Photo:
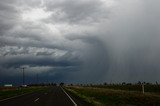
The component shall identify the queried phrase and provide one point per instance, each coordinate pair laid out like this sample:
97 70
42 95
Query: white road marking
69 97
36 100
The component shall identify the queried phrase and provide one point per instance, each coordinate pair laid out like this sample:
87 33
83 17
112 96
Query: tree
61 84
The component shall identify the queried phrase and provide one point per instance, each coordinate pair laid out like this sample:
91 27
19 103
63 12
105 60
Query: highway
54 96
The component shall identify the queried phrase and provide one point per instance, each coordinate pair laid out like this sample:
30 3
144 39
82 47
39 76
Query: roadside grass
15 91
136 87
110 97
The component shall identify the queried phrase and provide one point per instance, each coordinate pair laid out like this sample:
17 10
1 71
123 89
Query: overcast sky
80 41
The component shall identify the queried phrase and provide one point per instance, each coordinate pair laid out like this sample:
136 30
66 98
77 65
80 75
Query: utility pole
23 75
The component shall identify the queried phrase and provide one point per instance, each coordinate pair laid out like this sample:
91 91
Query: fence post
143 88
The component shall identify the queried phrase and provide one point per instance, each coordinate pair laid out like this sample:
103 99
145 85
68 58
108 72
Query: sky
80 41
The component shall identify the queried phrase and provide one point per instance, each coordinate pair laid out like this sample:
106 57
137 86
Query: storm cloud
80 41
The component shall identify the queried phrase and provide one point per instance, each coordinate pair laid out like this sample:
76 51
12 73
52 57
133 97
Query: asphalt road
54 96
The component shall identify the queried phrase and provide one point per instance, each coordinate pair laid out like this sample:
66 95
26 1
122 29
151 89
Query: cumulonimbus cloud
81 41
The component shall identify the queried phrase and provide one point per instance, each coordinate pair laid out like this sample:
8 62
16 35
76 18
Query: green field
103 96
6 92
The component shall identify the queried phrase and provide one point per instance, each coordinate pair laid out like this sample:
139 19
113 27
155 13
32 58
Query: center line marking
36 100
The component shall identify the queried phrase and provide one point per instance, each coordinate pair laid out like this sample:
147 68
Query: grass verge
103 97
15 91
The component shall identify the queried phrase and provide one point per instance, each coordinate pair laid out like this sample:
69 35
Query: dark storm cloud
81 41
32 61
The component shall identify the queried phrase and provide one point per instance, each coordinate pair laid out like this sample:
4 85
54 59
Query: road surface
55 96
